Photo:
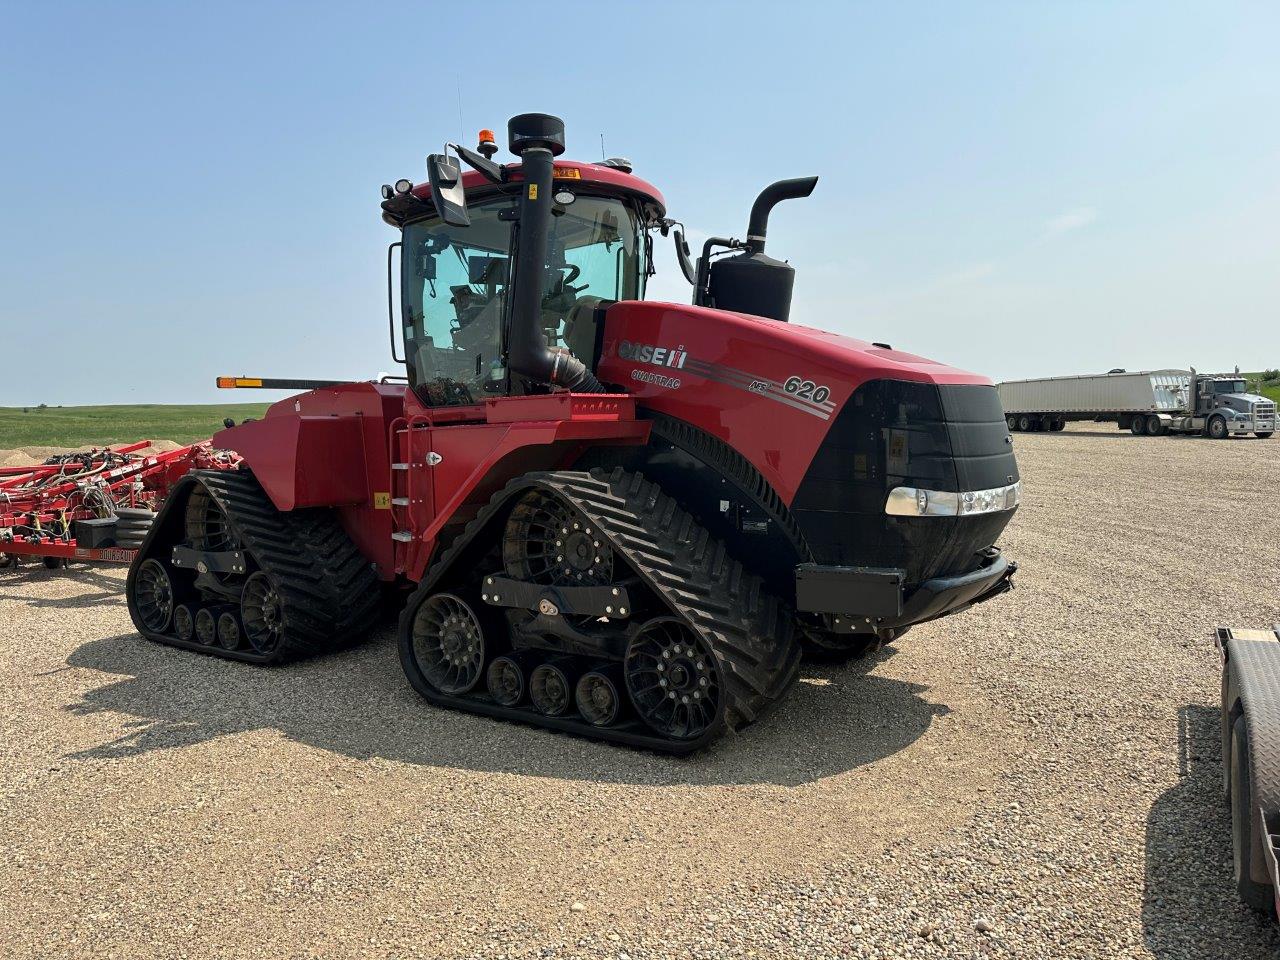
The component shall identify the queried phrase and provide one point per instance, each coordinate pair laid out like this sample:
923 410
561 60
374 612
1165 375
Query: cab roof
595 177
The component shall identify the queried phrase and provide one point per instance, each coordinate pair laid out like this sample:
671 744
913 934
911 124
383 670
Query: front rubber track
749 630
331 594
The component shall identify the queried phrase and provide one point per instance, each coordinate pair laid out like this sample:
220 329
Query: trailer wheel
1012 421
1024 423
1137 426
1155 426
1217 427
1265 435
1244 841
1058 425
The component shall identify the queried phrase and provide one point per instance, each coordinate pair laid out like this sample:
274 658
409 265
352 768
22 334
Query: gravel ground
1034 778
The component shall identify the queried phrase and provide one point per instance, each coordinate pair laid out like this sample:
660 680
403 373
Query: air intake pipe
769 198
537 139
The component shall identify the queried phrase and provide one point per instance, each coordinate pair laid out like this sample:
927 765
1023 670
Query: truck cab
1227 408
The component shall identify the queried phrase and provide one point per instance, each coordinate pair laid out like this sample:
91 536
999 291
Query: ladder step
400 501
404 536
399 466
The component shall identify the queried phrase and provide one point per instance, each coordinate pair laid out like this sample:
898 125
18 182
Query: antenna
462 130
602 146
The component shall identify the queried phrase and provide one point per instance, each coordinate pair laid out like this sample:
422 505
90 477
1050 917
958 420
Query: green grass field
83 426
1269 389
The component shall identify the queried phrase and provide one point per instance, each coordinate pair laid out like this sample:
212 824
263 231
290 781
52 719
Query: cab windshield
455 279
1229 386
595 255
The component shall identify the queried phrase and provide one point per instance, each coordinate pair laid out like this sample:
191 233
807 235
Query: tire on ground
1246 845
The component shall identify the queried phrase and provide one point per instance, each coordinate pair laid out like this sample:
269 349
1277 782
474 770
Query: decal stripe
748 379
730 376
741 381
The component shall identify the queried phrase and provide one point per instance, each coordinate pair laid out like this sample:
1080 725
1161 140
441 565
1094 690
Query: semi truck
1150 402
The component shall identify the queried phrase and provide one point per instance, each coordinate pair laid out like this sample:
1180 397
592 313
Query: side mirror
682 255
445 176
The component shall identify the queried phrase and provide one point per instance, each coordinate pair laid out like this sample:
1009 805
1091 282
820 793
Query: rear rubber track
749 630
330 592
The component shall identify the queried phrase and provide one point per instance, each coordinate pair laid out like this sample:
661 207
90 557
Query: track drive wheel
262 613
547 543
674 680
155 595
448 643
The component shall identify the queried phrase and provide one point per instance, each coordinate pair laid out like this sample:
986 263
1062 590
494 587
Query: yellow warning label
533 191
382 501
566 173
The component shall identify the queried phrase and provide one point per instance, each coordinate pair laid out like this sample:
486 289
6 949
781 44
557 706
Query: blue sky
1018 189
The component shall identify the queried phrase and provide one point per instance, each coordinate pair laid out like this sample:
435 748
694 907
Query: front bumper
1251 426
876 598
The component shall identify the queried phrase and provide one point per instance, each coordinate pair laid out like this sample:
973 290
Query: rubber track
729 462
750 631
330 592
816 642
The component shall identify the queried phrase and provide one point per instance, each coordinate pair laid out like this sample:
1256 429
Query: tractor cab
461 266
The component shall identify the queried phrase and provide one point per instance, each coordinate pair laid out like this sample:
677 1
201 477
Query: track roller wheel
206 627
261 614
546 542
229 633
184 622
551 689
599 697
673 679
448 643
506 681
154 595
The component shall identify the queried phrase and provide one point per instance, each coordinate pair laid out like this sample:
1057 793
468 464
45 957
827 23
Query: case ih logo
648 353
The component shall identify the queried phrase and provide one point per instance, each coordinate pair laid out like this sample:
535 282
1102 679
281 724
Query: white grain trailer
1151 402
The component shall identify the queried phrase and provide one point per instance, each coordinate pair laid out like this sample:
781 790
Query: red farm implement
94 506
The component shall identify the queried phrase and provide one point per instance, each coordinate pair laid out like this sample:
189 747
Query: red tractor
617 518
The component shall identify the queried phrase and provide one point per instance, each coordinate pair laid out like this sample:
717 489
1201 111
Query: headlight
915 502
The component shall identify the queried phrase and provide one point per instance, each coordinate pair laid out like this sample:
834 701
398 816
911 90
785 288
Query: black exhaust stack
537 138
752 282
